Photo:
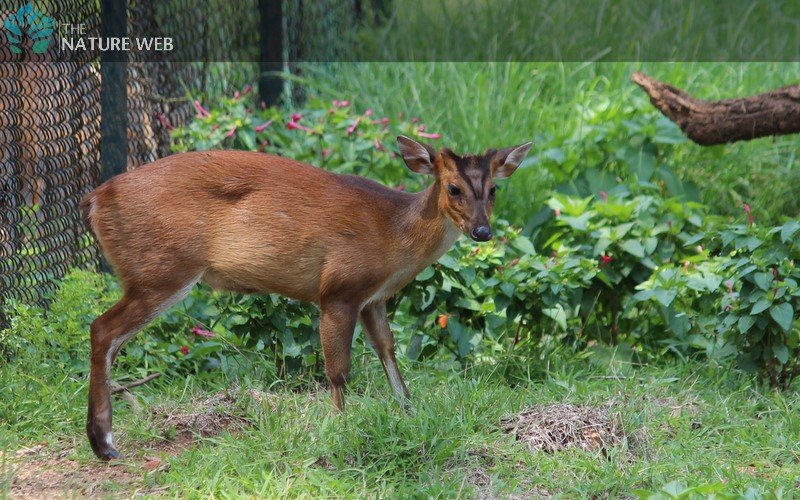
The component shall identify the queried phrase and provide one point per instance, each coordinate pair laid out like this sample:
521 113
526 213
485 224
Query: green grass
696 423
548 30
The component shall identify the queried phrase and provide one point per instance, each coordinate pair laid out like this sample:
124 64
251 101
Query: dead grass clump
208 416
556 427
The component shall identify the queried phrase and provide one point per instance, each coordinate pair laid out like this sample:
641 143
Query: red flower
296 117
429 136
201 109
184 350
326 152
231 132
198 330
604 260
352 128
164 121
264 125
750 219
295 125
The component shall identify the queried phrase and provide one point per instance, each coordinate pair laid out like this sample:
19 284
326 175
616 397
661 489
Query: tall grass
557 30
479 105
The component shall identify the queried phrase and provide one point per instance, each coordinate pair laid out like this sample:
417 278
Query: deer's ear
418 157
507 160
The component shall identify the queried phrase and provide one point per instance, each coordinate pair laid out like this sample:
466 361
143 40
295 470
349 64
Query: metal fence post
271 47
113 92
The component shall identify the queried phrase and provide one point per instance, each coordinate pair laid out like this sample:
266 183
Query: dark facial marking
474 170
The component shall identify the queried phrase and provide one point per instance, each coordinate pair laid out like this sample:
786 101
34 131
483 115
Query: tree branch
728 120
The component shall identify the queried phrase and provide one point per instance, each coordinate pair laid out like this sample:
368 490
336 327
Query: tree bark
728 120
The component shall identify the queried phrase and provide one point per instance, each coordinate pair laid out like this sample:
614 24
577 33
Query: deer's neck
426 229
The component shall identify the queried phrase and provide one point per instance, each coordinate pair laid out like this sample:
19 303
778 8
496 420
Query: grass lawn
584 431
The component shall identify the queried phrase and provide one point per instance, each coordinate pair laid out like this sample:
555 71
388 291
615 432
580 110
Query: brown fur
253 222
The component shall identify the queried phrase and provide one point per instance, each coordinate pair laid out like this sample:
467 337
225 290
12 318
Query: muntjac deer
251 222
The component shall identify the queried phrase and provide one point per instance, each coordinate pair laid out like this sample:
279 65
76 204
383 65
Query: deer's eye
453 190
492 191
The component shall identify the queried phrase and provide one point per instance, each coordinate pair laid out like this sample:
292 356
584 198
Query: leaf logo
40 27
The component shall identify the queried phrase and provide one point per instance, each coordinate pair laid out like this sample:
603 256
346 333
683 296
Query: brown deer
251 222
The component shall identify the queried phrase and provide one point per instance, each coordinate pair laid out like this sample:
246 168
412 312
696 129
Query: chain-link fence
57 107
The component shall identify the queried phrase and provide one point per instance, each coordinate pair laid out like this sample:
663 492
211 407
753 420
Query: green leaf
248 138
558 315
524 245
449 262
633 247
764 281
580 223
761 306
788 230
426 274
783 314
745 323
781 353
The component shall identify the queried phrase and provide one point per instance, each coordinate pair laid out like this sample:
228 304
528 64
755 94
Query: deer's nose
481 233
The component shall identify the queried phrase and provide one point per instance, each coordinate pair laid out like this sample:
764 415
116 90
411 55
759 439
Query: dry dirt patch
42 473
47 472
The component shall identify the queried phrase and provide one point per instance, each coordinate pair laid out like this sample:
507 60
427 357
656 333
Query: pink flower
164 121
295 125
236 95
184 350
414 120
198 330
603 195
264 125
383 121
557 212
401 187
352 128
326 152
429 136
340 104
201 109
421 128
750 219
263 145
379 146
368 112
247 90
263 105
215 126
231 132
296 117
